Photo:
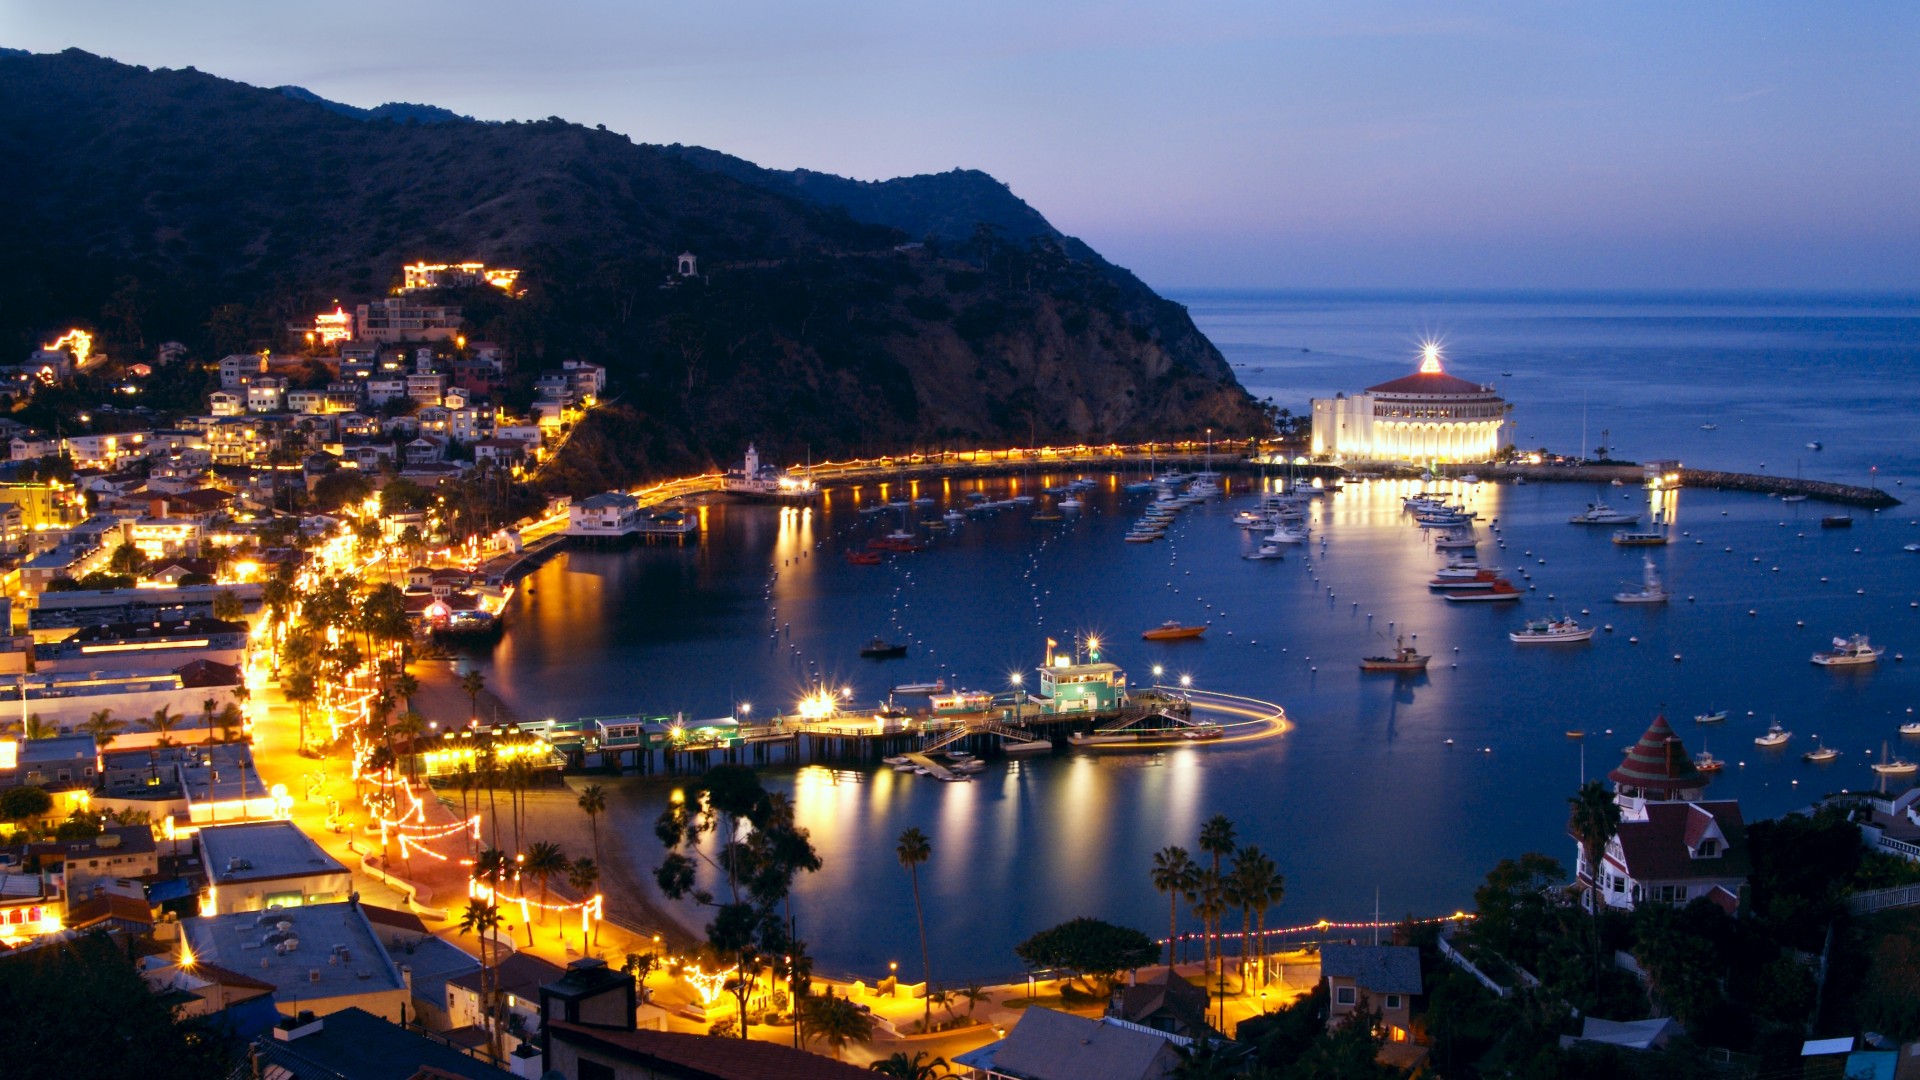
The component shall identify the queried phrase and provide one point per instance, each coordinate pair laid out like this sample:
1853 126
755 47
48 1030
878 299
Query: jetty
934 768
1760 483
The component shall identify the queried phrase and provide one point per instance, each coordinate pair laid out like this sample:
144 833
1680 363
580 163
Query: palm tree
1209 899
1217 840
104 728
472 683
902 1067
302 691
973 994
593 802
36 728
490 778
1173 874
582 876
1594 822
1264 887
410 726
483 919
229 718
913 849
837 1021
405 685
517 777
544 860
1247 888
163 722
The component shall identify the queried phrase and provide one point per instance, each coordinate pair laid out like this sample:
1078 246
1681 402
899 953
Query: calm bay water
1366 791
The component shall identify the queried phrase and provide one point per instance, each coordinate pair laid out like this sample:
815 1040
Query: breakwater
1759 483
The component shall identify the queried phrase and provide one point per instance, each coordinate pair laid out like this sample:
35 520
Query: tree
973 994
593 803
1257 886
127 560
1675 948
36 728
1514 908
902 1067
1217 840
482 918
228 607
228 720
1173 874
24 803
544 860
302 691
1088 947
471 684
913 850
582 875
835 1021
410 726
1594 822
640 965
56 997
760 850
104 728
163 722
1209 899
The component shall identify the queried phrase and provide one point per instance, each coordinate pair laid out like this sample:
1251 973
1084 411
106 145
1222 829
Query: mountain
830 315
403 112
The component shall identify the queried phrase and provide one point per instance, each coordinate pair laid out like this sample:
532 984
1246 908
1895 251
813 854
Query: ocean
1408 789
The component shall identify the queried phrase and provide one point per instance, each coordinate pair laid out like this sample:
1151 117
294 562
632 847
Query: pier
1760 483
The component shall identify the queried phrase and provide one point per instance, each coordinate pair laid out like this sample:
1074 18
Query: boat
1910 547
1893 766
1793 498
1599 513
1049 517
1837 521
1404 658
937 686
952 516
1910 728
1502 590
1815 445
882 649
1203 731
1711 716
1069 503
1137 537
1485 579
1709 427
1456 541
1287 534
865 558
1651 591
1705 762
1775 736
1850 652
1267 550
1551 631
1819 752
1173 631
1464 567
1642 538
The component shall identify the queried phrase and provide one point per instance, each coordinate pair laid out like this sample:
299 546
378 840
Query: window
1708 849
1393 1001
1344 995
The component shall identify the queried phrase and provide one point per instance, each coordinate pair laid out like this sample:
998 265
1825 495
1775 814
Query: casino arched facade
1429 416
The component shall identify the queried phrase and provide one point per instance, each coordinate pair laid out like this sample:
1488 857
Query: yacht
1893 766
1267 550
1456 541
1501 592
1069 503
1552 631
1484 579
1641 538
1850 652
1820 752
1651 591
1912 728
1775 736
1599 513
1288 534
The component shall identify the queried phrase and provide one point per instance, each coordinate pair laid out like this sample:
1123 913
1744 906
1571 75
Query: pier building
755 478
1428 416
1069 684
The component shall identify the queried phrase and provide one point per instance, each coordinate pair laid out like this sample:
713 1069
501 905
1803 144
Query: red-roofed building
1427 416
1673 846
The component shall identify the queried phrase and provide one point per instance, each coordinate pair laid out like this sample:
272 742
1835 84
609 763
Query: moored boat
1502 590
1173 631
1711 716
882 649
1837 521
1641 538
1850 652
1775 736
1551 631
1404 658
934 687
1893 766
1599 513
1651 591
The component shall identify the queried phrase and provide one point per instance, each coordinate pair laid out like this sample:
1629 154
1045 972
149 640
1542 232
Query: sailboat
1893 766
1796 496
1651 591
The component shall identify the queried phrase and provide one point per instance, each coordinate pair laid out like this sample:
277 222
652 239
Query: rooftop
353 1044
307 953
709 1057
1658 849
1051 1045
1432 384
263 850
1383 969
1659 761
521 974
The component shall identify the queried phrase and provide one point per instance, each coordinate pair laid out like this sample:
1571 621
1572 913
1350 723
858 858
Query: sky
1701 145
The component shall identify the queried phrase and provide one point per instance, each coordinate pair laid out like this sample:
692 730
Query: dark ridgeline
172 205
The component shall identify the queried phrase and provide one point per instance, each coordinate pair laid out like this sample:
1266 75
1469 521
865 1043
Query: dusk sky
1695 145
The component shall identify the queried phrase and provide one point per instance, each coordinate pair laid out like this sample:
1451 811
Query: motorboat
1775 736
1815 445
1266 550
1641 538
1910 547
1404 658
1705 762
1200 732
1599 513
1850 652
882 649
1173 631
1820 752
1910 728
1893 766
1288 534
1501 591
1484 579
865 558
1651 591
1456 541
937 686
1837 521
1069 503
1711 716
1551 631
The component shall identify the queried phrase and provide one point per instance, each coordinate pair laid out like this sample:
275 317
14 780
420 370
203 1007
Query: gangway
978 727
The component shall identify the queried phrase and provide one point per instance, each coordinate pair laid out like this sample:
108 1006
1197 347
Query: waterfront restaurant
1067 686
1428 416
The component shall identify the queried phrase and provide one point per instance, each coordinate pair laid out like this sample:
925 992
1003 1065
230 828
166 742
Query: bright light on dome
1430 358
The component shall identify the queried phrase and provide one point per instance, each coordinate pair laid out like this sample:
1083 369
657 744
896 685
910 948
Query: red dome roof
1659 762
1434 383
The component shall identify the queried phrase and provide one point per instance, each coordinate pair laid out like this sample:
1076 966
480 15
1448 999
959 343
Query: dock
934 768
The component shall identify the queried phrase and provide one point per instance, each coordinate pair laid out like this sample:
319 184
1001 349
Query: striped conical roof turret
1659 762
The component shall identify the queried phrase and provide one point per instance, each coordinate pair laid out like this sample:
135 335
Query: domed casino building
1428 416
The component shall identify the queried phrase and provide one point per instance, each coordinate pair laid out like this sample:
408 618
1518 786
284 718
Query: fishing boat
1705 762
1404 658
1893 766
1641 538
882 649
1551 631
1599 513
1775 736
1819 752
1837 521
1502 591
937 686
1850 652
1711 716
1173 631
1651 591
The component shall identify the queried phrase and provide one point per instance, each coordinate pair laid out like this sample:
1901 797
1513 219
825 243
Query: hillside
160 205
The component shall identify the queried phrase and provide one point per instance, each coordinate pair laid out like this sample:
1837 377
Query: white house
612 513
226 403
267 394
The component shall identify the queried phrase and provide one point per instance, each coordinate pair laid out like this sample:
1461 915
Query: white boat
1469 479
934 687
1069 503
1456 541
1775 736
1465 569
1267 550
954 515
1910 729
1819 752
1551 631
1651 591
1709 427
1711 716
1893 766
1287 534
1793 498
1850 652
1599 513
1910 547
1501 592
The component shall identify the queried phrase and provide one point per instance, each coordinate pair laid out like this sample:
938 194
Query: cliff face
831 314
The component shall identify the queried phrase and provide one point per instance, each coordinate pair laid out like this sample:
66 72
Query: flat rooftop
306 953
263 851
